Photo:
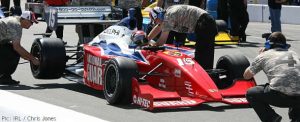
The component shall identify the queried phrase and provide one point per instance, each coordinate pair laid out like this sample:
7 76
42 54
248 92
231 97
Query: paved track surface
79 98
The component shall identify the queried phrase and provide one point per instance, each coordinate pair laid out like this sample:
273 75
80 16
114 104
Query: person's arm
248 74
23 53
255 67
154 32
163 38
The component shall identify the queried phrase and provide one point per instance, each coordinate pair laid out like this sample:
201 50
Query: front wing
151 98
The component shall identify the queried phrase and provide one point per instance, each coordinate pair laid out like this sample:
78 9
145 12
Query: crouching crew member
10 45
282 67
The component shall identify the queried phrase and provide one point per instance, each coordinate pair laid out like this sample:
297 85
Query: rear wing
72 15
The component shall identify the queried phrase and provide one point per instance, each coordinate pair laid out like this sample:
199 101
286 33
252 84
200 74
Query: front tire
52 56
118 74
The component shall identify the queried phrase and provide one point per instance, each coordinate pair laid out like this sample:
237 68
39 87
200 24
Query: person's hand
35 61
152 43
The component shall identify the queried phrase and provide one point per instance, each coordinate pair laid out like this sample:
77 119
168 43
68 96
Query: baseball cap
277 39
29 16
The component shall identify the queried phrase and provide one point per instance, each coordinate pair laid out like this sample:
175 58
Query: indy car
149 76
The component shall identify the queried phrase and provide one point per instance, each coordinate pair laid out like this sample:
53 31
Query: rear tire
221 25
234 66
118 74
52 55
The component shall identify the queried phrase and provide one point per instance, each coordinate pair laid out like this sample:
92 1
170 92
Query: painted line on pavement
17 108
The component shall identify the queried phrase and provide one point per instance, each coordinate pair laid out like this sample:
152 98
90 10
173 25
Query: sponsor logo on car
236 100
174 103
112 31
177 73
162 83
94 70
141 101
188 86
81 9
172 53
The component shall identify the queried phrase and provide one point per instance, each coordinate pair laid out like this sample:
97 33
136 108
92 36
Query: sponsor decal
188 86
112 31
174 103
94 70
141 101
236 100
173 53
162 83
82 9
177 73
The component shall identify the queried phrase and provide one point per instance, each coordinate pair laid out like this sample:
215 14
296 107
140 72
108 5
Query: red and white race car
152 77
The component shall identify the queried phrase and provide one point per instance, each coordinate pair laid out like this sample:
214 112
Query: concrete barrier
260 13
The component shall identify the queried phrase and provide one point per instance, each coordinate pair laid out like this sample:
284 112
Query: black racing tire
221 25
234 66
118 74
51 53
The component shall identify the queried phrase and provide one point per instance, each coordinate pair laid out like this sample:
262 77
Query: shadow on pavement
18 87
74 87
251 44
203 107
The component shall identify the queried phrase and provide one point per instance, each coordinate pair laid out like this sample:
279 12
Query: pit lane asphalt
74 96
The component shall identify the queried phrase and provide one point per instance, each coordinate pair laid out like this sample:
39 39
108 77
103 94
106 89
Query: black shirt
236 5
272 4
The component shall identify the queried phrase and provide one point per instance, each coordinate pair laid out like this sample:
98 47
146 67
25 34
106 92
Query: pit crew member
10 45
282 68
188 19
179 37
130 21
125 5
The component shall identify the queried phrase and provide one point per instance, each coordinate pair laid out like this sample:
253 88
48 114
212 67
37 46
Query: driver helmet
157 12
139 38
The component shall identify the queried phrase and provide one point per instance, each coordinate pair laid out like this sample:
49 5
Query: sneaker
9 82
